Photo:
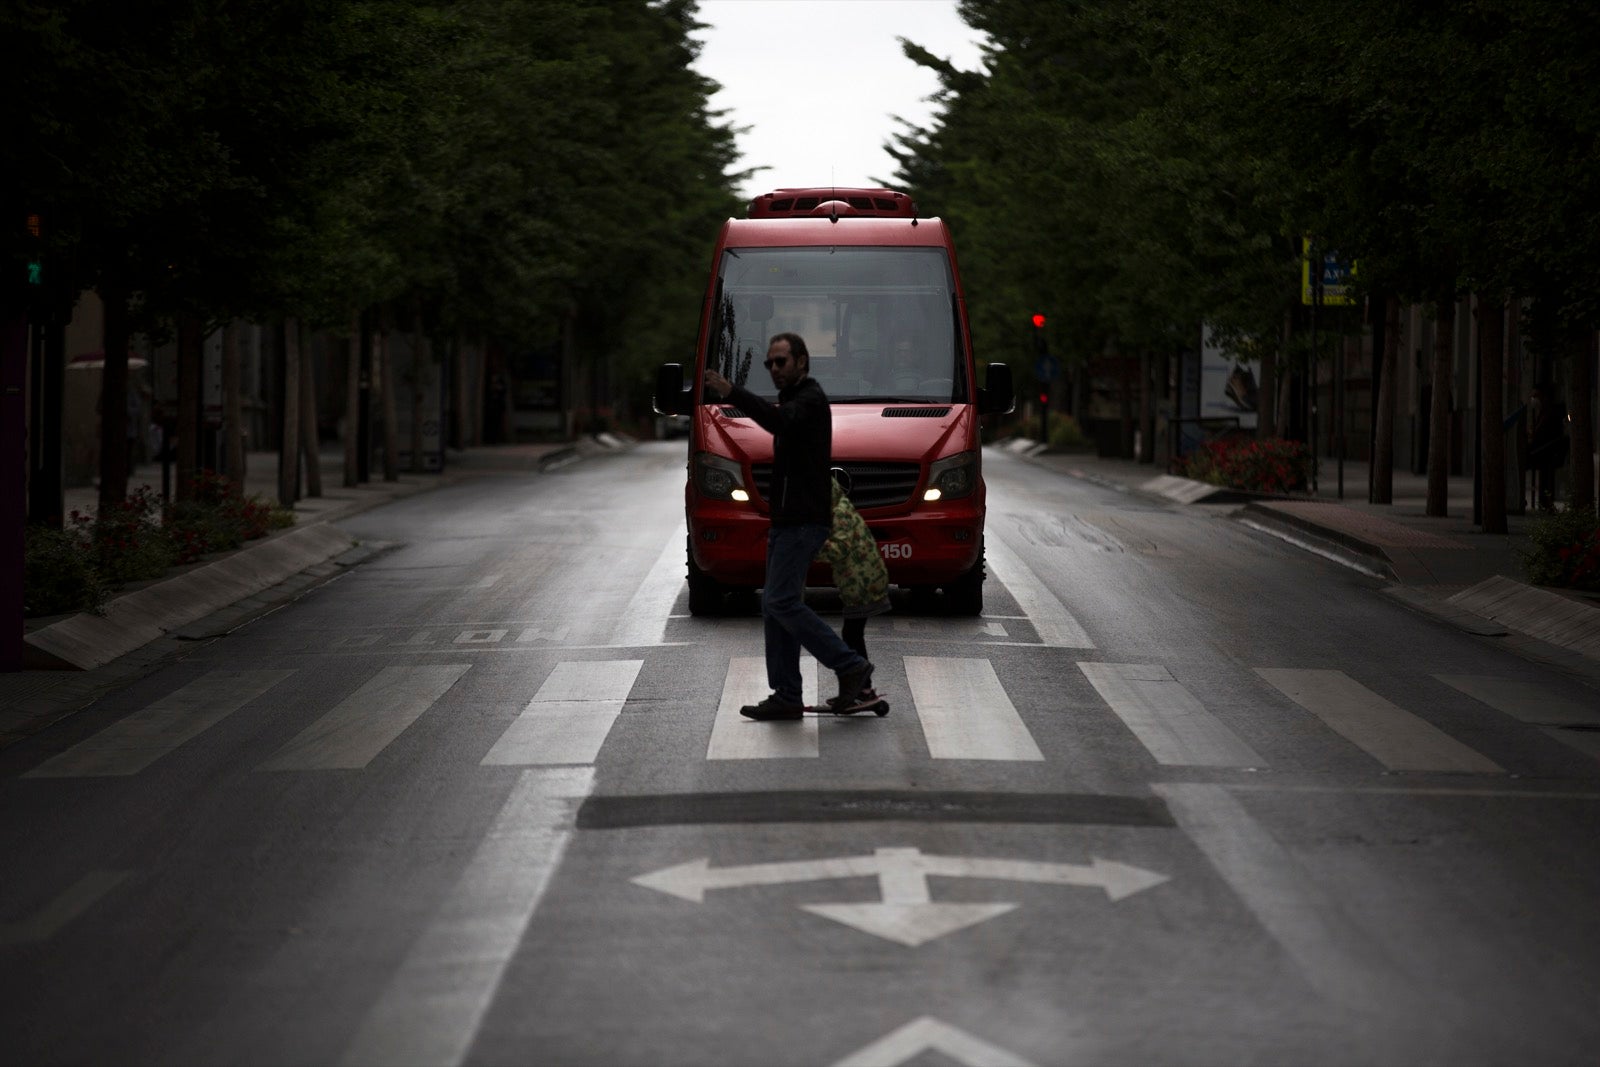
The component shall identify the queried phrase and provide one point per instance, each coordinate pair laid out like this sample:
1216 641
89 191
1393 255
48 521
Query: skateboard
875 704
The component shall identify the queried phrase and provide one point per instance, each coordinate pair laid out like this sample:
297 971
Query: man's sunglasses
780 361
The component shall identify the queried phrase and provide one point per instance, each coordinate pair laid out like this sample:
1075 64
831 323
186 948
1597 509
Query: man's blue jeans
790 625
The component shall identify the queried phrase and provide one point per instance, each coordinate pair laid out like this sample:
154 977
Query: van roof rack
829 201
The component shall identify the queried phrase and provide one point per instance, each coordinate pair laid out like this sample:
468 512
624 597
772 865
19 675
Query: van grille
872 485
915 413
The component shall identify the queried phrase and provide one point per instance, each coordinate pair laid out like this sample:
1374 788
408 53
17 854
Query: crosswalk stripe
1521 700
965 713
1393 736
365 722
130 745
1055 625
569 717
735 737
1166 718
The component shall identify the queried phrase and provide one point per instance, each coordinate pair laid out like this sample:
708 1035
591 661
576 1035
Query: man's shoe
851 683
773 709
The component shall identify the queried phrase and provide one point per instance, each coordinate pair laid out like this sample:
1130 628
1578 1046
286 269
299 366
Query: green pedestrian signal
35 272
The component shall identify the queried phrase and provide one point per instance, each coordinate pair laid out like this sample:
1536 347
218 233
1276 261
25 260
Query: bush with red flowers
1564 550
1272 465
77 568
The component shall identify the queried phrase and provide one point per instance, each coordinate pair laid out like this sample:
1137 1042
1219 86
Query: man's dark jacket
801 424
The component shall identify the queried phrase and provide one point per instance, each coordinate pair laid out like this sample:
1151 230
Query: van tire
964 596
705 592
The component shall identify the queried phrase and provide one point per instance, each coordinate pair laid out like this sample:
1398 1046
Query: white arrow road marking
906 913
930 1034
67 905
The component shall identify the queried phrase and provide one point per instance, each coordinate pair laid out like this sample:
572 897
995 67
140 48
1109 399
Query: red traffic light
1038 322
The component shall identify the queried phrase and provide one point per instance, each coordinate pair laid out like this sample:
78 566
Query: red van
874 291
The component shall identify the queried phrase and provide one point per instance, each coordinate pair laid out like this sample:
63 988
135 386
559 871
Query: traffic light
34 242
1041 347
1038 322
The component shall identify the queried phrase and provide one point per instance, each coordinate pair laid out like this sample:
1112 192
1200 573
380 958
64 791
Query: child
863 583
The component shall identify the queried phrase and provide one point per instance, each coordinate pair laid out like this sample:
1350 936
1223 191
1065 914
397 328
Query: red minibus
875 292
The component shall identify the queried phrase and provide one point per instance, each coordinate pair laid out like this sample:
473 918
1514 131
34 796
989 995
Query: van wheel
705 592
964 596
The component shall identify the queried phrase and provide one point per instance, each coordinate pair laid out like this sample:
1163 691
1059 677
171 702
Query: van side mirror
671 398
999 397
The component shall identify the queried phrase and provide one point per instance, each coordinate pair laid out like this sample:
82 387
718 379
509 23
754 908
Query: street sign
1045 368
906 913
1336 278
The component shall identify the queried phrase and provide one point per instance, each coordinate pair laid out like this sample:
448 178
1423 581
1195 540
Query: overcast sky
818 81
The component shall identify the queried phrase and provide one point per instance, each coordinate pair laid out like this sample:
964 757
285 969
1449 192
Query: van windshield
880 323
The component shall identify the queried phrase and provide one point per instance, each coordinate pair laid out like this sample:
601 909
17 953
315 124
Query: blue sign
1045 368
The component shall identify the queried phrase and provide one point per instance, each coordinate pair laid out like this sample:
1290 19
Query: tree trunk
1147 421
383 356
459 434
191 359
114 392
1581 412
1266 397
1491 432
352 404
233 463
310 445
421 363
1439 413
1388 389
289 442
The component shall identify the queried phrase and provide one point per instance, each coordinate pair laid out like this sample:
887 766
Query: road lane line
1166 718
433 1006
65 907
644 620
965 713
365 722
735 737
1055 624
1388 733
1333 954
130 745
570 716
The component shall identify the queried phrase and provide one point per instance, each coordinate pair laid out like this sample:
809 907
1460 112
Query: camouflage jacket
858 569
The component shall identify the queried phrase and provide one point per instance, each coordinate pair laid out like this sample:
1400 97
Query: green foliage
77 568
1240 462
497 169
1564 550
59 574
1065 431
1133 169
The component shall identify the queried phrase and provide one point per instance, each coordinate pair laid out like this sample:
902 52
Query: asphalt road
1183 794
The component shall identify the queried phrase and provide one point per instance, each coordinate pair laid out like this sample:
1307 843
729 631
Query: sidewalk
1445 566
70 661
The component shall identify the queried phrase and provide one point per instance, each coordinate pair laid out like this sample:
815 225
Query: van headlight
952 477
719 477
